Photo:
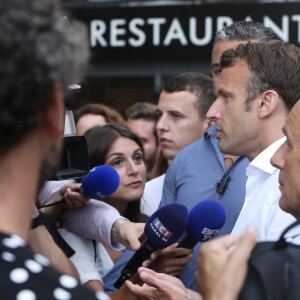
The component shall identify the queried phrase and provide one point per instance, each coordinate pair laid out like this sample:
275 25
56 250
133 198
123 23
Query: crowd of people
232 137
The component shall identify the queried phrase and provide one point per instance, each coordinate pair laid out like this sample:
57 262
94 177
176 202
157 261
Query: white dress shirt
91 261
261 207
152 195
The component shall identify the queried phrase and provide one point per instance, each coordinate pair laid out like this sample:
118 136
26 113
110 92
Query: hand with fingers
170 260
67 197
160 286
71 195
222 265
127 233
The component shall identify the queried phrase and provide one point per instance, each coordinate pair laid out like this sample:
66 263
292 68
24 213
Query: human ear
268 102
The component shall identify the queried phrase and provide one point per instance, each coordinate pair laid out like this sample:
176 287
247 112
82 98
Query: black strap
58 239
38 220
43 219
95 249
281 243
63 200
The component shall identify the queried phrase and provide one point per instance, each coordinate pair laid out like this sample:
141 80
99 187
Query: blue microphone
100 182
162 229
205 220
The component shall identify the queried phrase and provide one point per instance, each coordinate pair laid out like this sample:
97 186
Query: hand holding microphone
204 222
171 260
162 229
100 182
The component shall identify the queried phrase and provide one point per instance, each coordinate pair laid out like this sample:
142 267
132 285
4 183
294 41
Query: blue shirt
194 173
191 178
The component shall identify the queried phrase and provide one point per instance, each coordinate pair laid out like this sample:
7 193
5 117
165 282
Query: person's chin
223 147
229 148
168 154
136 190
283 206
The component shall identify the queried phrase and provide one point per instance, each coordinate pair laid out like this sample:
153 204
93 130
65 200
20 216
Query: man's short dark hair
141 110
200 85
274 65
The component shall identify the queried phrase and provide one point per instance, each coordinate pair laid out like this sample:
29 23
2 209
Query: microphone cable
63 200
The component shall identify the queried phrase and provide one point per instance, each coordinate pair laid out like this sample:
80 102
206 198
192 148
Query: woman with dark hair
115 145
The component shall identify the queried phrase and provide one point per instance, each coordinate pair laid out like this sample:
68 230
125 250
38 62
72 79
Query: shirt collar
211 131
263 160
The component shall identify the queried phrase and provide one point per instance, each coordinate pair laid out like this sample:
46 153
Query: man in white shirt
250 110
234 264
225 260
262 193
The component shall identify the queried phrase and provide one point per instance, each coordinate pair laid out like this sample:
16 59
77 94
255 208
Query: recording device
204 222
100 182
74 161
162 229
222 185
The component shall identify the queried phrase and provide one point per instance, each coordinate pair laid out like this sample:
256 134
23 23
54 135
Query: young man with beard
251 91
234 263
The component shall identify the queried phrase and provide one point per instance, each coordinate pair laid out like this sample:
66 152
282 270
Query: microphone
100 182
205 221
162 229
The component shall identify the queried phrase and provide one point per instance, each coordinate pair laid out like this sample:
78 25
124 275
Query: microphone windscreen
100 182
205 220
166 225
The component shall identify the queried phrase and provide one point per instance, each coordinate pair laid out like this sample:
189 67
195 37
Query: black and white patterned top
28 276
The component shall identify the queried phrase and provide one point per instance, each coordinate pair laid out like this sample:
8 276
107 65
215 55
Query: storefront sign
175 33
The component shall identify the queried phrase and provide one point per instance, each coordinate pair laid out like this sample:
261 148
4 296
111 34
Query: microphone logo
208 234
160 230
100 196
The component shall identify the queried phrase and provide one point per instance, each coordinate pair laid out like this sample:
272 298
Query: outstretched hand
127 233
160 286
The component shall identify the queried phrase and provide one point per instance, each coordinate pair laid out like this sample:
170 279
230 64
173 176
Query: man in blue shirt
202 168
